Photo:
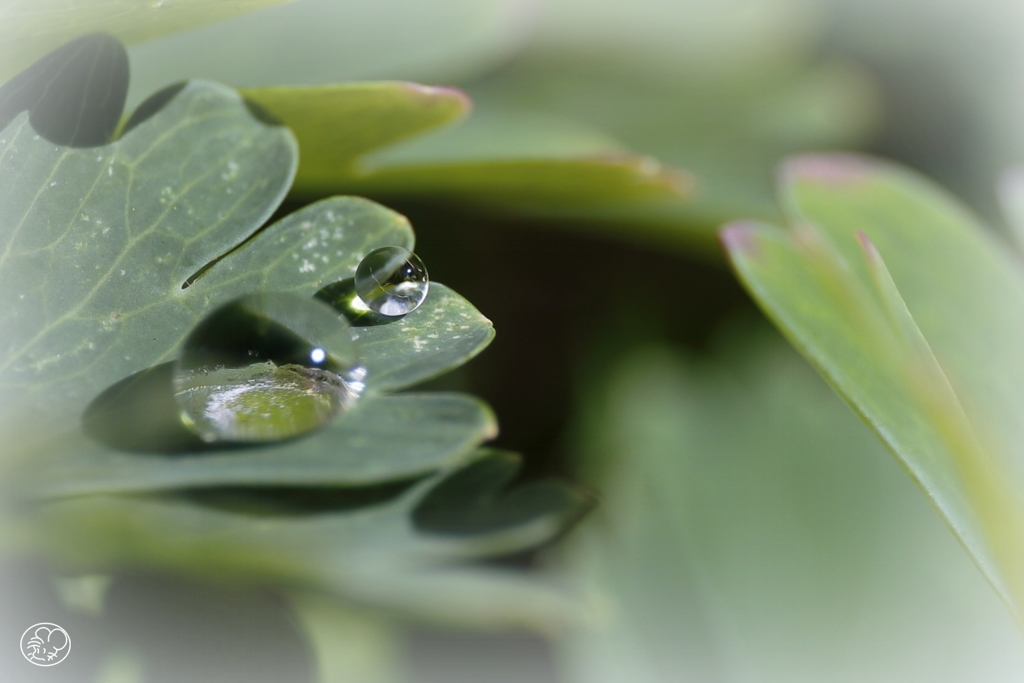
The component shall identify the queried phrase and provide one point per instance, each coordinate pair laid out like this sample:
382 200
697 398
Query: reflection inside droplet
392 281
266 367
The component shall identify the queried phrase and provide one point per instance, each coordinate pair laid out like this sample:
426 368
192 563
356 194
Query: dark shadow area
284 501
75 95
477 499
261 114
340 296
565 303
152 104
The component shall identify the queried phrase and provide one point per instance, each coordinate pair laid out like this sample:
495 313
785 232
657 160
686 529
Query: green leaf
474 500
30 29
336 124
144 215
727 130
380 439
371 555
75 95
528 185
522 161
97 242
498 159
752 529
110 256
442 334
945 398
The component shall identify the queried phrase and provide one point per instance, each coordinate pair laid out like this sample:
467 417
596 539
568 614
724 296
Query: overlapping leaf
374 554
382 438
938 377
111 254
337 124
141 217
540 163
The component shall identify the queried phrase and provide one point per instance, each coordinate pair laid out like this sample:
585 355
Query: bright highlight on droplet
267 367
392 281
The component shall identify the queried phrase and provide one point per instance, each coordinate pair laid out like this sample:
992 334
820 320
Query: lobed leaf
442 334
943 397
96 242
145 215
381 439
371 554
111 254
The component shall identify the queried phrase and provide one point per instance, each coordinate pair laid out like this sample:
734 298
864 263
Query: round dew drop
266 367
392 281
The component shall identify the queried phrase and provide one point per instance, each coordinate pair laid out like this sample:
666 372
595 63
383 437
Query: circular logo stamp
45 644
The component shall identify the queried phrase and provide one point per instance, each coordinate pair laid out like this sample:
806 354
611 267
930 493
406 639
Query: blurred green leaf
475 499
350 645
751 529
714 88
336 124
528 185
371 555
946 398
498 160
30 29
728 132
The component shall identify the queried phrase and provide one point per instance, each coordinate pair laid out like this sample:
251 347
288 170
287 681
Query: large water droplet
266 367
392 281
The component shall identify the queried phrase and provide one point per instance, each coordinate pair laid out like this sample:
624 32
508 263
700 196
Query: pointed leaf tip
442 93
738 239
870 250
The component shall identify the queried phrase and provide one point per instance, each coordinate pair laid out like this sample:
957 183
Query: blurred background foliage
749 527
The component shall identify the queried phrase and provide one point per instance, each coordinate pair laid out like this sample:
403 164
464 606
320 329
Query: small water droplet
267 367
392 281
